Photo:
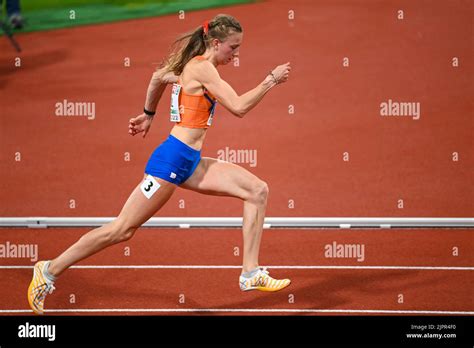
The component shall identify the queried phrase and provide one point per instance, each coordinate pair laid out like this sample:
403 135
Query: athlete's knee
121 232
127 233
260 192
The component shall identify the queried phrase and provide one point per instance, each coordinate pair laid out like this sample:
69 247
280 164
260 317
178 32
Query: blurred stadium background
55 14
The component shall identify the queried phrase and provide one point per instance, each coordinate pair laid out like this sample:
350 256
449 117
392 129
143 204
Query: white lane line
237 310
434 268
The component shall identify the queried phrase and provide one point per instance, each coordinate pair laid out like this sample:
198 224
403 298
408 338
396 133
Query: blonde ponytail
195 43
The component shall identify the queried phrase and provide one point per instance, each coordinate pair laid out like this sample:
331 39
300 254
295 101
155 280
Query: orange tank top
193 111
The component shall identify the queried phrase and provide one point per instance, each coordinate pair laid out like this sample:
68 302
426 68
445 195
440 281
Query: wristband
149 113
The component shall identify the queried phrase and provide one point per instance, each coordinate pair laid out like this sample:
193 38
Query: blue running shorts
173 161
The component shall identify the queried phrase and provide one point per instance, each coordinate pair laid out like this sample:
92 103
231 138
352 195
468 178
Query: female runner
197 87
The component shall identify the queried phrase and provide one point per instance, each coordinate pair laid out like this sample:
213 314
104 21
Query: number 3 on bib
149 186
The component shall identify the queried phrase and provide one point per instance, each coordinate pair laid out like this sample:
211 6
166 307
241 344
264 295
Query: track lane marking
234 310
434 268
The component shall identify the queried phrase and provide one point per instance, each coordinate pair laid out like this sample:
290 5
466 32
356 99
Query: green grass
33 5
55 14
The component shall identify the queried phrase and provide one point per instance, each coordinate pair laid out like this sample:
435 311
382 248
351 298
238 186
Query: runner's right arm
156 87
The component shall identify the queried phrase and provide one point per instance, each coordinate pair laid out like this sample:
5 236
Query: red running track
316 291
46 161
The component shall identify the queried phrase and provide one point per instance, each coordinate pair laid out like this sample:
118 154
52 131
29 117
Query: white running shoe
263 282
39 288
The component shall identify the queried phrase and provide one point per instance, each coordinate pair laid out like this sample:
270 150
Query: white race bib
174 112
211 110
149 186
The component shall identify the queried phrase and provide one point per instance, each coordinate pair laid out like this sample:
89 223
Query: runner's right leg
136 211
